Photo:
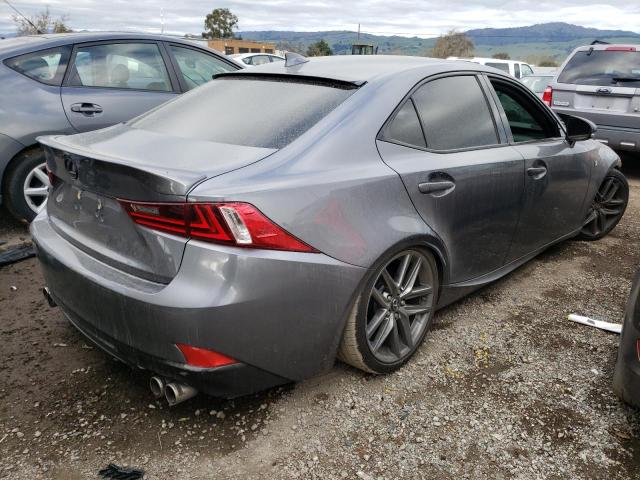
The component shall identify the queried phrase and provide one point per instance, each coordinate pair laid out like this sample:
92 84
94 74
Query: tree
220 23
501 56
319 49
453 44
43 22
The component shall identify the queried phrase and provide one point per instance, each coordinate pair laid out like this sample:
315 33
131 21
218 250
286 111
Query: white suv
512 67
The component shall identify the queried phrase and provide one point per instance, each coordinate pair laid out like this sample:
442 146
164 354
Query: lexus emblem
71 166
604 90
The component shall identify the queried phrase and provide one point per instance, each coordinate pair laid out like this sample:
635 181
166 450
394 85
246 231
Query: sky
425 18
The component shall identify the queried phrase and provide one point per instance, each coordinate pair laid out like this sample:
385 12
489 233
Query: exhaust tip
47 296
156 384
176 393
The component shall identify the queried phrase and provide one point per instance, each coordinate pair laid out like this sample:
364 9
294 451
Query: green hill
555 40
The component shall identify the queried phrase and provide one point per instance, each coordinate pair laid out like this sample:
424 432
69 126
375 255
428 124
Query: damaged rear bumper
280 314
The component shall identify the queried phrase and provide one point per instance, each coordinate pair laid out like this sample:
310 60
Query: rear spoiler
288 77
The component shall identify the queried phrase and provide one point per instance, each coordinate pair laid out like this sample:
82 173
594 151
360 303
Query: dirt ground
503 387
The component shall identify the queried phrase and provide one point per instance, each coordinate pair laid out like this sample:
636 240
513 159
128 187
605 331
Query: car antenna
292 59
38 31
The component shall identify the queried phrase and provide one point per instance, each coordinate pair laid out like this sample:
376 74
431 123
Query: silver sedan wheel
36 188
399 305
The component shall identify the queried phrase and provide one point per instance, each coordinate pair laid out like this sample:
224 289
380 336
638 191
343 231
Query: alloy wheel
36 188
607 208
399 306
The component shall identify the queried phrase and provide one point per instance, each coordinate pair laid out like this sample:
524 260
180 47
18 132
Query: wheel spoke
402 271
375 322
411 310
614 202
383 333
394 341
42 176
413 276
41 206
600 222
404 328
36 191
416 292
609 212
593 215
378 297
604 190
391 283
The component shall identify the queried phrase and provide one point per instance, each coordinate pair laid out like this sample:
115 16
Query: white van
512 67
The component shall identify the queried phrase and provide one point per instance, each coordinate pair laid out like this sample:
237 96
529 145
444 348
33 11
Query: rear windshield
265 112
603 67
535 83
500 66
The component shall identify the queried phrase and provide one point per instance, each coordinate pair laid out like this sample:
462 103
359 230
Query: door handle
435 187
88 109
537 172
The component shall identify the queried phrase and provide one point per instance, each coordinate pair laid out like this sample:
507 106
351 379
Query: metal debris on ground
15 254
607 326
121 473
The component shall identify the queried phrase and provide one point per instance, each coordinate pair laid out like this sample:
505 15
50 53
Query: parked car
77 82
255 59
601 83
537 83
626 375
332 211
514 68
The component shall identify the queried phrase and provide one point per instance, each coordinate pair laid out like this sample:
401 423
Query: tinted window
45 66
603 67
500 66
405 127
455 114
252 112
136 66
526 119
198 67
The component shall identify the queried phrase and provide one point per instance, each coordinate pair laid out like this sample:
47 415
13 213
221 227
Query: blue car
70 83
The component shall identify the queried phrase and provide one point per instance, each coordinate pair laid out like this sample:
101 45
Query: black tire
356 346
607 208
14 179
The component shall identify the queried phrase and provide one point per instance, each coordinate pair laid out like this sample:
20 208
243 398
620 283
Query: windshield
603 67
537 83
249 111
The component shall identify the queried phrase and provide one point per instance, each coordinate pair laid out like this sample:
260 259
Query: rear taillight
638 348
235 223
547 96
620 49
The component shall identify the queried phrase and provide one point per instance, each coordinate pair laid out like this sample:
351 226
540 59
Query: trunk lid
95 169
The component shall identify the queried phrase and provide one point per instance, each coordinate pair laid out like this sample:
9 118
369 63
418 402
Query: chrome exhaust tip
156 384
176 393
47 296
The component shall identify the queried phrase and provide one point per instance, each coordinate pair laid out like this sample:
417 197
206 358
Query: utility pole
358 31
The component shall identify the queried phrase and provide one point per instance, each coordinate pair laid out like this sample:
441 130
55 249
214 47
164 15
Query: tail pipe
47 296
176 393
157 384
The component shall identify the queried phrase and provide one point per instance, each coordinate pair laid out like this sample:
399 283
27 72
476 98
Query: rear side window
197 67
405 127
250 111
45 66
603 67
500 66
455 114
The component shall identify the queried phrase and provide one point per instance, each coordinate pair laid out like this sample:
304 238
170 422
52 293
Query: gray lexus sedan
329 212
69 83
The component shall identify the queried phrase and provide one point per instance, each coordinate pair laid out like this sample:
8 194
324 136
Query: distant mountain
555 40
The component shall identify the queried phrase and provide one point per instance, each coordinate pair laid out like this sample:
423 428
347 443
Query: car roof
247 55
366 68
30 43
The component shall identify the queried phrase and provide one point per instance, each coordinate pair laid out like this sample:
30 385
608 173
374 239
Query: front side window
526 120
45 66
526 70
455 114
249 111
198 67
137 66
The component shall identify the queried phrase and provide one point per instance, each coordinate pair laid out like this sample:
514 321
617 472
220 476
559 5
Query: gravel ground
504 387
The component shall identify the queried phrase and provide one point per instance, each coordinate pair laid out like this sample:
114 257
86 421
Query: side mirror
578 128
